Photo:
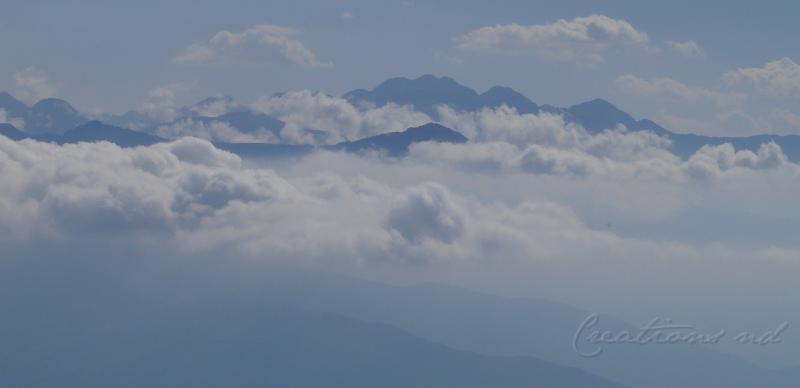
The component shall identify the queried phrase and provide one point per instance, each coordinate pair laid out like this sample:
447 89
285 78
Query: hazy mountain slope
119 324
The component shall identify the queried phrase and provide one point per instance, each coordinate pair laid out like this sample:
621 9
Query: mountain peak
598 115
54 104
11 105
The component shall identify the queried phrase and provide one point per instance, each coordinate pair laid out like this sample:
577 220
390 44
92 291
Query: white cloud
262 38
509 142
777 78
676 91
218 131
31 85
711 161
189 199
302 110
687 49
347 15
17 122
584 39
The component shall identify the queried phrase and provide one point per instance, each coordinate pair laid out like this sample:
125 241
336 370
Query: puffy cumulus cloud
676 91
580 39
31 85
712 161
251 42
189 198
427 212
500 157
17 122
302 110
777 78
545 144
687 49
218 131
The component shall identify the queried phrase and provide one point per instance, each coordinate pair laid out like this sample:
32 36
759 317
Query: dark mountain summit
95 131
12 106
12 133
397 143
50 115
427 92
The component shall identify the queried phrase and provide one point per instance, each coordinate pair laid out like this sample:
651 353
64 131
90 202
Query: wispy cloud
32 85
687 49
777 78
580 39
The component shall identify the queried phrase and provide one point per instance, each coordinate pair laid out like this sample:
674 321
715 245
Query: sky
674 65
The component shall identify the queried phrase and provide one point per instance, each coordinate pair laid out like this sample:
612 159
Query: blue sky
106 56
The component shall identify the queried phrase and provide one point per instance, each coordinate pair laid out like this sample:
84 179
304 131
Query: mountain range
87 331
56 120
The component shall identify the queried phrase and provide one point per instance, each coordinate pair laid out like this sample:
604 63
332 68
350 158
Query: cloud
584 39
218 131
712 161
508 142
687 49
347 15
160 104
302 110
257 40
777 78
17 122
676 91
215 107
427 211
31 85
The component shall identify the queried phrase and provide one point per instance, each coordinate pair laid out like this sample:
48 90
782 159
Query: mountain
427 92
397 143
123 325
12 133
53 115
131 119
393 144
12 106
501 326
50 115
95 131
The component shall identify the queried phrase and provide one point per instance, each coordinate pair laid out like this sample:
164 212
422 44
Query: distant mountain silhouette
393 144
131 119
488 324
51 115
11 132
12 106
427 92
397 143
182 331
95 131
